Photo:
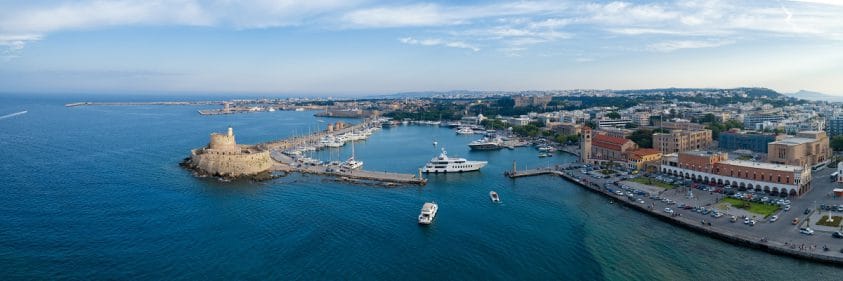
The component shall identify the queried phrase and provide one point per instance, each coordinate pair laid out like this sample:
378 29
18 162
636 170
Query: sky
355 47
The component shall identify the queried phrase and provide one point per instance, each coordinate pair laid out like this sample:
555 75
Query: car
774 218
752 223
668 210
837 234
795 221
787 207
807 211
733 219
746 221
806 231
640 201
840 208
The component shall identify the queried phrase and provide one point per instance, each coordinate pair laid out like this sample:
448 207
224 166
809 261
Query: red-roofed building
639 158
609 148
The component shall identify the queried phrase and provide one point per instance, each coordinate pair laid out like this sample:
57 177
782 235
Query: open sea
91 193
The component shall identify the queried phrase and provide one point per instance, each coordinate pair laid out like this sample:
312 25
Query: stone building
682 140
224 157
806 148
716 168
608 148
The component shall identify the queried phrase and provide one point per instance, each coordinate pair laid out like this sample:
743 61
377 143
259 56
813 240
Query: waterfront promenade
780 237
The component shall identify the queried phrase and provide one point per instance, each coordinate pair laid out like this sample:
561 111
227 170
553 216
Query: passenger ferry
445 164
428 212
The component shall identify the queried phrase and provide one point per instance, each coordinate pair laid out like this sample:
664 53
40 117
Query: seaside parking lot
703 204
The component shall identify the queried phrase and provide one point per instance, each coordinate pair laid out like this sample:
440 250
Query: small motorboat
494 196
543 155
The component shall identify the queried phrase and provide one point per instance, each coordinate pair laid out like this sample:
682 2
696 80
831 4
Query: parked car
806 231
733 219
787 207
795 221
807 211
837 234
774 218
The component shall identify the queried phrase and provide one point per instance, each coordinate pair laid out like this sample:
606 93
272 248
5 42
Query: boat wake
13 114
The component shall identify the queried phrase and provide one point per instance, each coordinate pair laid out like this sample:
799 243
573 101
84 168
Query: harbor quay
226 159
780 236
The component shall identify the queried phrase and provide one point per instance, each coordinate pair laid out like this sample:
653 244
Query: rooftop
762 165
793 141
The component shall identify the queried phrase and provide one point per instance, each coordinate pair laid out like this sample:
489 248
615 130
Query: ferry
465 131
494 196
428 212
445 164
486 144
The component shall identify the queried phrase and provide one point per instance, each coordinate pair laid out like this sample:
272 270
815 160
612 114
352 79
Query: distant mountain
815 96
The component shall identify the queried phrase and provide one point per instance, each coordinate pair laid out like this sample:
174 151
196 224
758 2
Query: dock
287 164
532 172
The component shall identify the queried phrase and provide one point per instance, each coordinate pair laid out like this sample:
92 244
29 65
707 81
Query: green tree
837 143
642 137
613 115
708 118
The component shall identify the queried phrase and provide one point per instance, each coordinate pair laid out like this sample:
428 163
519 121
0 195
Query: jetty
87 103
225 158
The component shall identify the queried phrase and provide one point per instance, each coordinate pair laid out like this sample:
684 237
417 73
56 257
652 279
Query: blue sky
371 47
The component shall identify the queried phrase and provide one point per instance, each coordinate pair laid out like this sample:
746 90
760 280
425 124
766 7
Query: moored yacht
445 164
486 144
465 131
428 212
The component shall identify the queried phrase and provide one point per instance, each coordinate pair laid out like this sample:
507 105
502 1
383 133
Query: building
834 126
683 125
607 122
539 101
682 140
736 139
614 132
752 121
608 148
638 159
716 168
225 158
806 148
585 144
567 128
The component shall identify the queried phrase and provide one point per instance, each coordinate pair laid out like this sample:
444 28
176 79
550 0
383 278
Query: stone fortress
223 157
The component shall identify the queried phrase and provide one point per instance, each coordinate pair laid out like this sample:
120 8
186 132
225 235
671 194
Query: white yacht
331 141
465 131
351 163
428 212
494 196
486 144
445 164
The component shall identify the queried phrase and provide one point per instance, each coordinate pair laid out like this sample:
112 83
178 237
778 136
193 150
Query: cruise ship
428 212
445 164
486 144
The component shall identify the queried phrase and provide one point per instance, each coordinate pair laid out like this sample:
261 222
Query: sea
96 192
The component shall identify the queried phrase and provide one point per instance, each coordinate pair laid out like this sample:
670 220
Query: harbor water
97 193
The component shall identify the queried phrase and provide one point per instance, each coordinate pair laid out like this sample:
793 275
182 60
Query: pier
87 103
288 164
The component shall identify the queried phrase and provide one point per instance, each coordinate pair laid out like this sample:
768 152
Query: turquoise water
97 193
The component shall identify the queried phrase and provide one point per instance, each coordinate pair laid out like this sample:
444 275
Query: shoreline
720 234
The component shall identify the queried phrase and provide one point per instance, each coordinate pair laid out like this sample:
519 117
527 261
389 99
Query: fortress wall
232 164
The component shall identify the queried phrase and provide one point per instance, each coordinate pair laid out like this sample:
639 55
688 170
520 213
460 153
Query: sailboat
352 163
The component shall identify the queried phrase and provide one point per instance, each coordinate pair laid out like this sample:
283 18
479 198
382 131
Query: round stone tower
223 142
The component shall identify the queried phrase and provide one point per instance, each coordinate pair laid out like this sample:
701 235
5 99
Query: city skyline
372 47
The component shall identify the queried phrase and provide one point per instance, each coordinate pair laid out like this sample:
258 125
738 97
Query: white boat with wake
494 196
428 212
445 164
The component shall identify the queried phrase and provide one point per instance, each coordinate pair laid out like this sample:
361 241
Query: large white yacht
465 131
486 144
445 164
428 212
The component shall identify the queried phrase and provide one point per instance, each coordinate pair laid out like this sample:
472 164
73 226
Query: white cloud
670 46
438 42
